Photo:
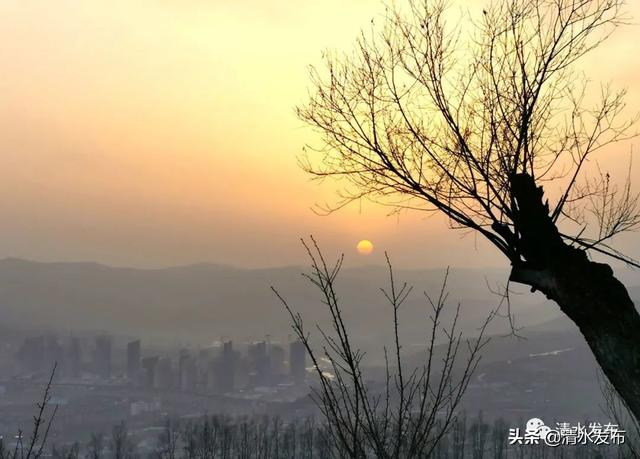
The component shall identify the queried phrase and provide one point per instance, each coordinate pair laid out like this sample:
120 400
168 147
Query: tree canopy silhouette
472 122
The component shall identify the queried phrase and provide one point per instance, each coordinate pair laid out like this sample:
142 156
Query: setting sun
364 247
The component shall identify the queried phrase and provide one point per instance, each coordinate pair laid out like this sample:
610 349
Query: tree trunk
586 291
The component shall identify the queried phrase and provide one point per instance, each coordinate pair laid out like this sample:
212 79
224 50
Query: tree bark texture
586 291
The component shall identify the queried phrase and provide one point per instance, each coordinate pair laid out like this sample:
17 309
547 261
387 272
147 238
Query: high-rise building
133 361
260 369
54 353
297 361
187 371
277 358
102 357
74 358
150 367
165 376
31 354
224 369
204 358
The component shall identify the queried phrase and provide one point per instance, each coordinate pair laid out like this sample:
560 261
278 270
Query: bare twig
417 407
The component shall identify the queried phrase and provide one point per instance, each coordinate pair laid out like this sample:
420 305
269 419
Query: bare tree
34 447
416 407
619 413
69 452
168 440
471 121
479 432
95 446
38 437
121 446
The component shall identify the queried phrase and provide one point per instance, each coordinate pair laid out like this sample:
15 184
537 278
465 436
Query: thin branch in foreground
417 406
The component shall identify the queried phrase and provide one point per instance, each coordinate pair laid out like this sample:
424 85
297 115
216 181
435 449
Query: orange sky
154 133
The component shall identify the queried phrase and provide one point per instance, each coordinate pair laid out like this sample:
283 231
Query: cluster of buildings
218 369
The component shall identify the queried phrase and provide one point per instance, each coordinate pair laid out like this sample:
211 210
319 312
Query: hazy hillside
548 372
203 302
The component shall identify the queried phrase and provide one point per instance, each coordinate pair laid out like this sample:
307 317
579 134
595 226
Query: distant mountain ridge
205 301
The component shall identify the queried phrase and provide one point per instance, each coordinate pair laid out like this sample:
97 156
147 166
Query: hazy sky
154 133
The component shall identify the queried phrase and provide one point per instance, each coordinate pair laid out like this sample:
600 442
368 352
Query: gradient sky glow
159 133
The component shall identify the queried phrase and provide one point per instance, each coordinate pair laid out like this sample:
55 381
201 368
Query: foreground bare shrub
416 407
